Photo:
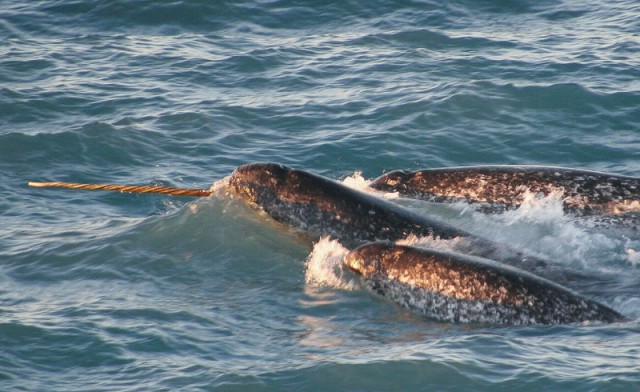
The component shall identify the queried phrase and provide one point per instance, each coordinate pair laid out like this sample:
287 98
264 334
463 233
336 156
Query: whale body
504 187
451 287
319 206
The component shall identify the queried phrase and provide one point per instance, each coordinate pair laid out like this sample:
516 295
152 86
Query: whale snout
353 262
365 259
260 173
250 180
391 181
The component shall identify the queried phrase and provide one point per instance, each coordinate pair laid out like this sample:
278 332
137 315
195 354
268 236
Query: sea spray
324 267
357 182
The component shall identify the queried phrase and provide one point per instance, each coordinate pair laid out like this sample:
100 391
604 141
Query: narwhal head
393 181
301 199
251 182
264 183
366 259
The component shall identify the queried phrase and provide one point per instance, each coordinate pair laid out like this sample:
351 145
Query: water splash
633 256
357 181
429 242
325 266
220 186
537 208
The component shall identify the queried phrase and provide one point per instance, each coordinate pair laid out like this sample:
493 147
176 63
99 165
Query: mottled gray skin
451 287
319 206
503 187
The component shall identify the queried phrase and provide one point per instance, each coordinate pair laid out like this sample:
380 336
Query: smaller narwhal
452 287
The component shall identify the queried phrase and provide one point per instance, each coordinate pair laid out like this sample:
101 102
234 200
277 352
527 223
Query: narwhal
319 206
498 188
452 287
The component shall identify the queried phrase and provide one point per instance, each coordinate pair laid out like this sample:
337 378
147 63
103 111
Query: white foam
325 267
541 227
633 257
429 242
536 208
357 182
220 186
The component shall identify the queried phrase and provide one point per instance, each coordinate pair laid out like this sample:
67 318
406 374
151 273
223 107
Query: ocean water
108 291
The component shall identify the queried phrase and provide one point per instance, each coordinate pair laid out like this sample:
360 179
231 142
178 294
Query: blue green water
109 291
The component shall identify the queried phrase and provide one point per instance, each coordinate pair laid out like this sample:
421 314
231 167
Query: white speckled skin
452 287
501 187
319 206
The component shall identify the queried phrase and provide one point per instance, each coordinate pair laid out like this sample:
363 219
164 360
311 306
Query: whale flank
452 287
503 187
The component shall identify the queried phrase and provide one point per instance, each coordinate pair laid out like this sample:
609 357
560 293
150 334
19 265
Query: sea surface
103 291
